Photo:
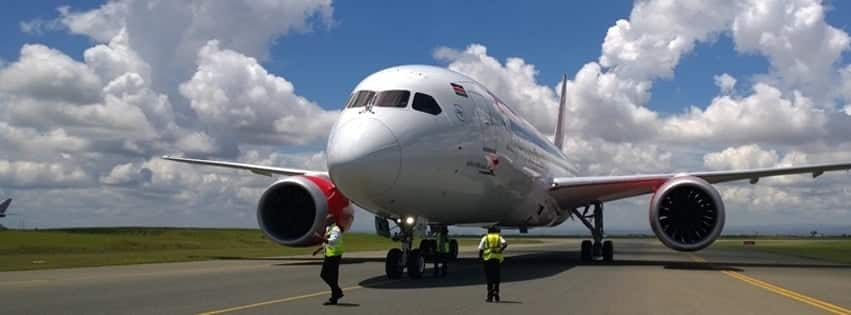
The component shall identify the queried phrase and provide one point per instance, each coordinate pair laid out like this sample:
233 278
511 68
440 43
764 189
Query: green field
46 249
832 250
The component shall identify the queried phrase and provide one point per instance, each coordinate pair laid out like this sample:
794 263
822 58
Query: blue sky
770 118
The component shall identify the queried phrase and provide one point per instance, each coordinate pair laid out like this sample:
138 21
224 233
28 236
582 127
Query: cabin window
360 99
425 103
392 98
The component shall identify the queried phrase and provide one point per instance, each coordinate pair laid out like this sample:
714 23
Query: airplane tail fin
559 137
4 205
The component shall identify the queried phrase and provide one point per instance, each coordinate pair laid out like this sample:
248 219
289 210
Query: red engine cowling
292 209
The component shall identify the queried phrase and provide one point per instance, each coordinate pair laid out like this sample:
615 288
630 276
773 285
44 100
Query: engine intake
292 209
687 213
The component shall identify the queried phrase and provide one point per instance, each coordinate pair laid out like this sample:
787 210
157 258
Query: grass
88 247
832 250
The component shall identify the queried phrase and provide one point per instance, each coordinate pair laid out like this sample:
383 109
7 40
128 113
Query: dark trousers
331 274
492 274
440 260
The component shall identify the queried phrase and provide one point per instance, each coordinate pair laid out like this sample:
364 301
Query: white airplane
4 206
423 145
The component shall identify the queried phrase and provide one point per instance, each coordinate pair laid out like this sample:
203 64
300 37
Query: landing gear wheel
585 254
416 264
597 252
393 264
608 251
453 249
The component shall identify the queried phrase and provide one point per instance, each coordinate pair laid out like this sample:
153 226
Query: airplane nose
364 159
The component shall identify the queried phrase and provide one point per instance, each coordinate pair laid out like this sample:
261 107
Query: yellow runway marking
825 306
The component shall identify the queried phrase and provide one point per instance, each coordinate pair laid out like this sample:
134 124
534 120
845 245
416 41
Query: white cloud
101 24
753 118
115 59
232 92
799 44
24 174
168 34
845 88
86 131
47 74
657 34
725 82
743 157
127 173
598 157
30 142
602 104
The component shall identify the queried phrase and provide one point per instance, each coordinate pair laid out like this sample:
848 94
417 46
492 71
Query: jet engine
687 213
293 209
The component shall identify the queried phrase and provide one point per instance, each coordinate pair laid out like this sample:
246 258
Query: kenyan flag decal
459 90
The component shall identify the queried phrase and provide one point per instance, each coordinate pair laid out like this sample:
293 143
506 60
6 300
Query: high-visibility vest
442 244
336 249
493 248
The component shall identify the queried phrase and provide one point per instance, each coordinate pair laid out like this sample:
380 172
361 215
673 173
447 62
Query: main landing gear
598 249
412 260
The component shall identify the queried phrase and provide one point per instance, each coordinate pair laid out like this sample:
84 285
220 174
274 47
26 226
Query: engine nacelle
687 213
292 209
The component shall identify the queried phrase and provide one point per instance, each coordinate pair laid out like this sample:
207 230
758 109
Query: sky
92 92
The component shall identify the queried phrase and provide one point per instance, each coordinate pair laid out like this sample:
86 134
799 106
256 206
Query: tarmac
546 278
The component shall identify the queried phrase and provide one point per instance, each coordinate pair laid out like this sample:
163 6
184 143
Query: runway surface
646 278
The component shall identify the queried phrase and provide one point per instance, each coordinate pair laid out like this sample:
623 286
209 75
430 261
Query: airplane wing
256 169
608 188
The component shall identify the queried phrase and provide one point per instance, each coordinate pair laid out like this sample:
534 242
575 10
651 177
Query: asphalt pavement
545 278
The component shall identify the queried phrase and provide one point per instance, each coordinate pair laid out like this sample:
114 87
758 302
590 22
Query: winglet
559 139
4 205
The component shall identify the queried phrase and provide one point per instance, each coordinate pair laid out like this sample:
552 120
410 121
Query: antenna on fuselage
559 139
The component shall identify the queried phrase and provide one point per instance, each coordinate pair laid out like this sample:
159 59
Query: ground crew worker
332 243
490 249
442 255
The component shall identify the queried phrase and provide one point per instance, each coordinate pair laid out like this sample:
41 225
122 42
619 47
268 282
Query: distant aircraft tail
559 137
3 206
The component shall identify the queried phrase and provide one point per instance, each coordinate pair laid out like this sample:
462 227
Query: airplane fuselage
471 160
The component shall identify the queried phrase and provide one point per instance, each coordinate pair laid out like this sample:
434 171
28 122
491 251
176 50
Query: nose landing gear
407 258
413 260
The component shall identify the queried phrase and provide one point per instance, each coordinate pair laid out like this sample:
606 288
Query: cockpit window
360 99
392 98
425 103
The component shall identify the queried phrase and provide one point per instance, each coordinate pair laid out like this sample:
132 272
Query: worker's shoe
496 298
337 296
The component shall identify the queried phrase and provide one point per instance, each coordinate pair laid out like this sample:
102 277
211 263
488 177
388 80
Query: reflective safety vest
337 249
442 244
493 248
